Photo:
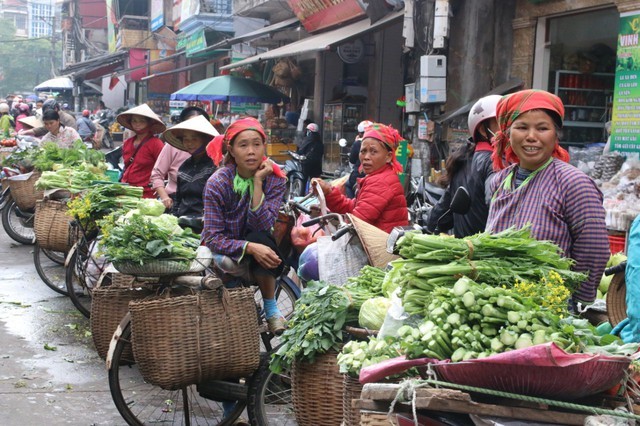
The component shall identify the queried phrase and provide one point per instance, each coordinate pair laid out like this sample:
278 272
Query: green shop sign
193 42
625 132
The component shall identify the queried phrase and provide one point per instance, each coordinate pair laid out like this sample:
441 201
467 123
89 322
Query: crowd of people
513 167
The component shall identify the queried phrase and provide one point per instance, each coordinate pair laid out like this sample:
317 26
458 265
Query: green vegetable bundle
357 355
51 157
75 179
474 320
103 198
316 326
498 259
367 285
135 237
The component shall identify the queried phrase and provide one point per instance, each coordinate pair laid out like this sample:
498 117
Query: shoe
277 325
241 422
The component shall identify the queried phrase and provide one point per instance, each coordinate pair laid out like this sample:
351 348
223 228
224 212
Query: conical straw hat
197 124
156 125
616 299
32 121
374 241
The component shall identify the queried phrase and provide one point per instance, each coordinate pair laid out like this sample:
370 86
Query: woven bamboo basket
316 391
351 390
108 306
371 418
24 191
183 340
51 225
616 299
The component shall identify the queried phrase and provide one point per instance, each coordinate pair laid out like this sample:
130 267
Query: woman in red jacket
141 151
380 198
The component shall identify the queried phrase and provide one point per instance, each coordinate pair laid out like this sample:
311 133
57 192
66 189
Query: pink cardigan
166 167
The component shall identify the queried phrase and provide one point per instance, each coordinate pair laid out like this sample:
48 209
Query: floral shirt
65 138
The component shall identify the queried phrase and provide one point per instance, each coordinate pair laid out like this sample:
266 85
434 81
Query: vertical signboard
111 26
157 14
625 134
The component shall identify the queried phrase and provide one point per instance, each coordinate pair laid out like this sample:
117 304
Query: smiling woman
561 203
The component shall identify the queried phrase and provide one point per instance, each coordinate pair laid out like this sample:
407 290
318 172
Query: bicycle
140 403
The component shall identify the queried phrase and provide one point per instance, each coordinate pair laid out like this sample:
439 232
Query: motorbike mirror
342 142
461 201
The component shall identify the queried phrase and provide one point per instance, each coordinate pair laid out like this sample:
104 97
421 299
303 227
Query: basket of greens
146 242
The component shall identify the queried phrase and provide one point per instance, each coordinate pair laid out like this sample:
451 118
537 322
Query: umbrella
58 83
229 88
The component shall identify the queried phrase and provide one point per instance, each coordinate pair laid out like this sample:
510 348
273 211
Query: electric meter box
433 79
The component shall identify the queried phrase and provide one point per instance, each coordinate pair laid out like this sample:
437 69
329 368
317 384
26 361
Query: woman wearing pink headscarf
539 187
380 198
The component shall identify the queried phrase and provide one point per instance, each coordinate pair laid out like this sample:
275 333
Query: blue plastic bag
629 329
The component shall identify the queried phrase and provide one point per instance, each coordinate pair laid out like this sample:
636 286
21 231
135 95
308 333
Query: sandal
277 325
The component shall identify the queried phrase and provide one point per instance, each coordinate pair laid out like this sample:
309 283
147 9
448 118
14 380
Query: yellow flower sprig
549 292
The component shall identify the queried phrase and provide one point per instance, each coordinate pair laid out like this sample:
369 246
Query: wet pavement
50 372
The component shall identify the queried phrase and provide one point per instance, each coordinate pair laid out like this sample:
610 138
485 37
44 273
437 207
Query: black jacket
192 178
475 177
313 148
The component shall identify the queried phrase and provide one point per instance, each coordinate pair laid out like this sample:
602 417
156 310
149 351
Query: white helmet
312 127
4 107
363 125
483 109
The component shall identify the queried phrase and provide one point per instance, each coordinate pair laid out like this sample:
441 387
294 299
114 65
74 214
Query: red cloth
389 137
483 146
509 108
380 200
138 173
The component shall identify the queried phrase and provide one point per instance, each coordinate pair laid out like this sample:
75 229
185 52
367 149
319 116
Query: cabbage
603 287
151 207
167 223
616 259
373 312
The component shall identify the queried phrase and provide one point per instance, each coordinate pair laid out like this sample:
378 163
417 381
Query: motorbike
421 199
114 159
103 123
295 177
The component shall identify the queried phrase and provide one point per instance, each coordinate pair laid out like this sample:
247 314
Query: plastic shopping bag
340 259
302 236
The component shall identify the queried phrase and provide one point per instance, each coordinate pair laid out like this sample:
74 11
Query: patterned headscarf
389 137
509 108
215 147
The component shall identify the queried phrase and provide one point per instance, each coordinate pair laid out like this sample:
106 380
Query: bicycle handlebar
340 232
615 269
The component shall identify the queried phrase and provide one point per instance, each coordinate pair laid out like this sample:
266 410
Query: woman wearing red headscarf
540 188
241 203
380 198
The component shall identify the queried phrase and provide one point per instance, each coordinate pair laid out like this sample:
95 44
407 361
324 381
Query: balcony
133 33
271 10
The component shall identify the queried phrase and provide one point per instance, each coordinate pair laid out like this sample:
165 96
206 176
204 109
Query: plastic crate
617 244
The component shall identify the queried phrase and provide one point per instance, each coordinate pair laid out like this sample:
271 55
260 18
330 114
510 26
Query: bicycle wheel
140 403
50 268
17 228
269 400
82 273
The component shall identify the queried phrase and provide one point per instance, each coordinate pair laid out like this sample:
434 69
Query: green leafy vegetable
373 312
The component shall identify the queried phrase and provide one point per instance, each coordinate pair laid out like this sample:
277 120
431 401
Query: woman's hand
324 186
167 202
265 256
265 169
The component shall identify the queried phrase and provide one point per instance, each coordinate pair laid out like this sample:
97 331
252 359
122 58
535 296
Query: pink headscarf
214 148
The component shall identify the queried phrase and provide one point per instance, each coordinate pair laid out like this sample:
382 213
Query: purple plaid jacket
228 218
564 206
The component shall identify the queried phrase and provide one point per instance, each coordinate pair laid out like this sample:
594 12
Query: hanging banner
318 15
625 133
111 26
157 14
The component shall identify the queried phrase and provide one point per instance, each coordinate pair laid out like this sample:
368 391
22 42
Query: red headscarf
509 108
389 137
214 148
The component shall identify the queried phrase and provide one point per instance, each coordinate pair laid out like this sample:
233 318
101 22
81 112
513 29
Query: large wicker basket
316 391
351 390
24 191
108 306
616 299
182 340
51 225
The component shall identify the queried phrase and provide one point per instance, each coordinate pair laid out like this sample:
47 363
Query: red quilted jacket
380 200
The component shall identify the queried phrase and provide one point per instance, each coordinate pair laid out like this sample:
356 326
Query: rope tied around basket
471 248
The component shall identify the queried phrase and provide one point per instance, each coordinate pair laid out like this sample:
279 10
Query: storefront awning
320 42
259 32
96 67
